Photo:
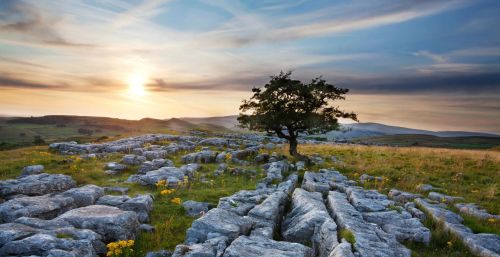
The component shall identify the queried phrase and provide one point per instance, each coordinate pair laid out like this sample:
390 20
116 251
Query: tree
287 107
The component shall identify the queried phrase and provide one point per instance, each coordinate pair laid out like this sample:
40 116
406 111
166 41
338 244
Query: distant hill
22 131
229 122
359 130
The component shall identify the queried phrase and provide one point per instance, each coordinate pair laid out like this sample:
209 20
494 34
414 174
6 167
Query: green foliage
288 107
348 236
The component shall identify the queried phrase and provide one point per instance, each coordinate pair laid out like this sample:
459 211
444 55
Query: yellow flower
166 192
110 253
228 156
118 251
112 246
176 200
130 242
492 220
122 243
161 183
449 243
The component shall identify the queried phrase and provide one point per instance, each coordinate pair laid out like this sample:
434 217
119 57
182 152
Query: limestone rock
44 207
195 209
39 184
85 195
132 159
32 170
261 246
110 222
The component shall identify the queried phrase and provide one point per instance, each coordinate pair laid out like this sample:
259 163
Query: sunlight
136 84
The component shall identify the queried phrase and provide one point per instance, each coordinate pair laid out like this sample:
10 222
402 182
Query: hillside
22 131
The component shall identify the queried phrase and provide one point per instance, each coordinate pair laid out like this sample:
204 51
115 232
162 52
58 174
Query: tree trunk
293 147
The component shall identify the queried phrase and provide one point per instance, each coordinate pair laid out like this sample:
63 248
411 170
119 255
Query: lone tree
288 107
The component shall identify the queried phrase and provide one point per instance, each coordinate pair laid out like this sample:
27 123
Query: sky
423 64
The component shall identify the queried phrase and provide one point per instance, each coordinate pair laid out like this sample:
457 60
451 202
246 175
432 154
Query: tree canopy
287 107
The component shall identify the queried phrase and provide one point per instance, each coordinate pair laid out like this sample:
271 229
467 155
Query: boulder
111 223
473 210
402 197
132 159
368 200
161 253
44 207
39 184
220 221
195 209
205 156
85 195
114 166
32 170
141 204
442 198
364 178
260 246
171 174
426 188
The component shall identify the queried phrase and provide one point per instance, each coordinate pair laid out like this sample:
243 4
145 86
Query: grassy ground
473 175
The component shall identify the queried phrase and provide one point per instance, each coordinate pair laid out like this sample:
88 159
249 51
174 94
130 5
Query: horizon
432 65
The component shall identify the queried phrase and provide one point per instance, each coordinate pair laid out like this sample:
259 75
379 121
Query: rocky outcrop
33 185
205 156
32 170
140 204
28 236
255 246
309 222
110 222
85 195
132 159
44 207
473 210
195 209
487 245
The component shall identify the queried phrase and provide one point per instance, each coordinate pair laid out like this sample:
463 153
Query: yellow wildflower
228 156
122 243
492 220
450 244
161 183
118 251
130 242
166 192
176 200
110 253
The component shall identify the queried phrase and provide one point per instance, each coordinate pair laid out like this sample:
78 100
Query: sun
136 84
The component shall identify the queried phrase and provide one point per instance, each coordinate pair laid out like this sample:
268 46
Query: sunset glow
438 62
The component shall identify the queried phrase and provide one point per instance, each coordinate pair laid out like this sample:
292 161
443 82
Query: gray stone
344 249
415 212
132 159
155 154
261 158
85 195
368 200
442 198
172 174
115 166
110 222
44 207
473 210
195 209
323 181
219 221
479 244
161 253
146 228
112 172
116 189
402 197
206 156
141 204
401 225
39 184
261 246
309 222
367 178
32 170
44 244
426 188
370 239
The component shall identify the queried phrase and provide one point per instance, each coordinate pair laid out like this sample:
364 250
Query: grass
348 236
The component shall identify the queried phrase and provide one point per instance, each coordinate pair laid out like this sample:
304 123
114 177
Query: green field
471 142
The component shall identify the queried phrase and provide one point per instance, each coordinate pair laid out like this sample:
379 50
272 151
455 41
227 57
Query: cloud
31 23
10 82
435 57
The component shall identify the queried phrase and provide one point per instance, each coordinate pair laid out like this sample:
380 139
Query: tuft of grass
64 235
348 236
